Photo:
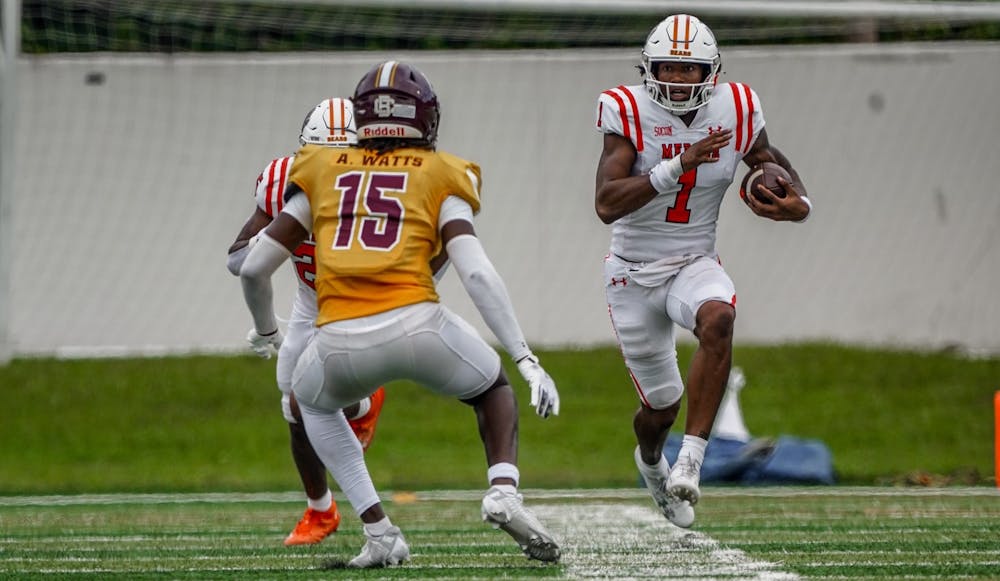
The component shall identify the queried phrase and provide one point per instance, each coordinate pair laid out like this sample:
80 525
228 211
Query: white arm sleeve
298 207
235 259
265 257
454 208
488 292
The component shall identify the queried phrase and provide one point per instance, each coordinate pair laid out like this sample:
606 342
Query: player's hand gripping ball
765 174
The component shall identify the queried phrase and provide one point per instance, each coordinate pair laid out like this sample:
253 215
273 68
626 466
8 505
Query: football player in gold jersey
379 213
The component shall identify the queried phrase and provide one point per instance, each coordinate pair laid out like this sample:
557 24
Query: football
765 174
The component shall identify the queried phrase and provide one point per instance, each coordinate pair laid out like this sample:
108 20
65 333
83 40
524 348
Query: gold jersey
375 222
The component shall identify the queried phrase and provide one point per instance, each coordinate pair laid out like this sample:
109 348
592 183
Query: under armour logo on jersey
616 281
714 154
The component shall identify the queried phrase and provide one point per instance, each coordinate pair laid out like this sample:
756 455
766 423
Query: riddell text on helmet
388 130
384 132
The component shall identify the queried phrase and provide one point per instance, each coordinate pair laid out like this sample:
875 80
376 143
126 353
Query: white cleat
507 512
684 479
382 551
677 510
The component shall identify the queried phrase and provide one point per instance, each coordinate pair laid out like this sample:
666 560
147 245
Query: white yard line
604 541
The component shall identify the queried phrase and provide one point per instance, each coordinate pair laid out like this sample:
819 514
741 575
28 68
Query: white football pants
643 319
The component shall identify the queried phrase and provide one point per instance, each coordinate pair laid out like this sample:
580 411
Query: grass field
213 423
764 534
163 468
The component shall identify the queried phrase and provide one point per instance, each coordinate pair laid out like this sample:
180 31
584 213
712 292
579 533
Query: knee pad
657 379
703 281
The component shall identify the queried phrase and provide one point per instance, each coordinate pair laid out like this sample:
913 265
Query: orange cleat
314 527
364 427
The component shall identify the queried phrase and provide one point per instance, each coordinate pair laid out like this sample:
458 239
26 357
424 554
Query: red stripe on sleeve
270 192
621 111
600 113
638 125
746 91
739 116
281 184
628 129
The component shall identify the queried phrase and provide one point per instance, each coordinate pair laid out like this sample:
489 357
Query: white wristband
808 203
665 174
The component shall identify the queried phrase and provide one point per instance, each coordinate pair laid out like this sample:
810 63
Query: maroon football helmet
394 100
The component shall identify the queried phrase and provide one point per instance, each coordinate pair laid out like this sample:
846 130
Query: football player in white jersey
379 212
672 146
330 123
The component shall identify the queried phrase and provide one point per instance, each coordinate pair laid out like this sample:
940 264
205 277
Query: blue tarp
766 461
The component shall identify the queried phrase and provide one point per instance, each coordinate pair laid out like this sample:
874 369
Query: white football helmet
681 38
330 123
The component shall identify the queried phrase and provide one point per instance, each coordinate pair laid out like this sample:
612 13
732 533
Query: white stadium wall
135 173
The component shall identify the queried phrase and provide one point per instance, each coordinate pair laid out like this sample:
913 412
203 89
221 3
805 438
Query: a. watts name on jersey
384 160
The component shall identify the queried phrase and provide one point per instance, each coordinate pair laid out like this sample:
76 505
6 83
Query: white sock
503 470
377 529
694 448
659 469
364 406
322 503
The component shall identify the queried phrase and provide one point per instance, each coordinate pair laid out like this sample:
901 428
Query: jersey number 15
378 226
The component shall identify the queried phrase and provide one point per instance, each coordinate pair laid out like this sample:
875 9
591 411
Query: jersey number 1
679 212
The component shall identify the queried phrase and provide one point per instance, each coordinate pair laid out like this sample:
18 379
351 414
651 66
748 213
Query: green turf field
760 533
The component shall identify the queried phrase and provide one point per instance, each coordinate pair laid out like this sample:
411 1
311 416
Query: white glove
265 345
544 396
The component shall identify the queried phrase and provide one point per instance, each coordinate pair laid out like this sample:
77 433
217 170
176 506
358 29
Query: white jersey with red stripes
684 220
271 184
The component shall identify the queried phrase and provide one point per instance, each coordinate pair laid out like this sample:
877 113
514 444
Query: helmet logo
383 105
